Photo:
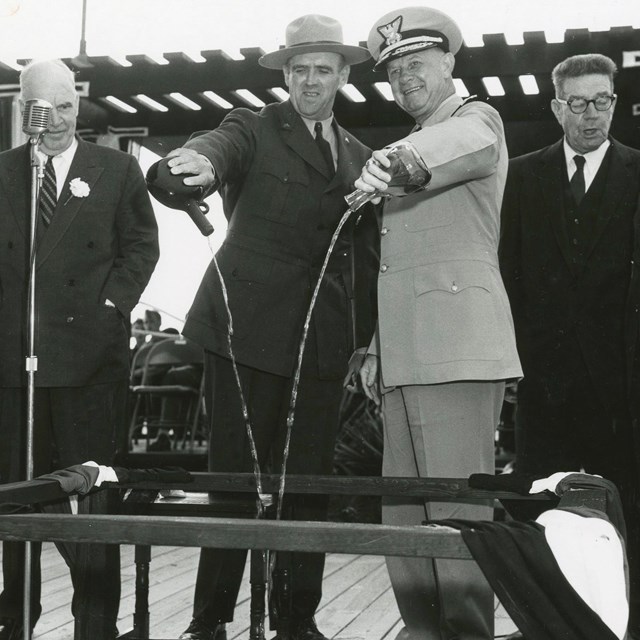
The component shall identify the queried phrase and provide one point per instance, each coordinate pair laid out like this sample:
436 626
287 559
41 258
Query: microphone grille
35 118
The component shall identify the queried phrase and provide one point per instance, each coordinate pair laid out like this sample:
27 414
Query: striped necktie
48 193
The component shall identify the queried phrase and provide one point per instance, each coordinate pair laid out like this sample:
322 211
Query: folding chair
178 408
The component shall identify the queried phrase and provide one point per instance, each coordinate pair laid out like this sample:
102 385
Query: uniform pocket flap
283 170
449 279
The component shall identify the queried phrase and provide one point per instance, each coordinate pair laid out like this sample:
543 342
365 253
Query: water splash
296 377
262 498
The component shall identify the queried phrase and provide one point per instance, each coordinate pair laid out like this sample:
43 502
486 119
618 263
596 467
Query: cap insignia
390 31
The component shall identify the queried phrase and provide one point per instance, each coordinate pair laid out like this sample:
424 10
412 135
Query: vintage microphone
35 117
35 122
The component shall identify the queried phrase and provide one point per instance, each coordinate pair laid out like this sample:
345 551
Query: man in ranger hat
282 174
444 343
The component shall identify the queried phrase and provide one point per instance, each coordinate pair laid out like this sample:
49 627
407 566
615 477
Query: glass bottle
408 171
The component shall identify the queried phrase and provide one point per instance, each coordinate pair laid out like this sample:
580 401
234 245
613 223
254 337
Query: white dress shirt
61 164
592 163
328 134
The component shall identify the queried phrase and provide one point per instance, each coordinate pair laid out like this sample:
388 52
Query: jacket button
454 287
383 268
70 319
384 231
285 179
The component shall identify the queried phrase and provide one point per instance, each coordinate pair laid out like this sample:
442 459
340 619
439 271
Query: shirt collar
326 125
593 158
444 111
65 156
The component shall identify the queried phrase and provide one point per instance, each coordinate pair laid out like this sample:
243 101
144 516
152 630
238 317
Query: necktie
577 181
48 193
325 148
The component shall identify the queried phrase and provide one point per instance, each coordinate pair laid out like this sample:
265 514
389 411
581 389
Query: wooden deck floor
357 604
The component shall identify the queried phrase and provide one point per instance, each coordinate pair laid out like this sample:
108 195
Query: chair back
171 352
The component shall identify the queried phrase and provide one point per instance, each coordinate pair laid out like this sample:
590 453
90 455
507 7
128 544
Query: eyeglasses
580 105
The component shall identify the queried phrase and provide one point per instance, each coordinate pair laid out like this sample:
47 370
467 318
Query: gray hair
35 66
582 65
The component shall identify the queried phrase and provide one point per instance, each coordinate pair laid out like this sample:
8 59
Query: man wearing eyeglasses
569 255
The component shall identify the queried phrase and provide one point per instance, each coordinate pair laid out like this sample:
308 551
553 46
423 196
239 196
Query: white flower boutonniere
79 189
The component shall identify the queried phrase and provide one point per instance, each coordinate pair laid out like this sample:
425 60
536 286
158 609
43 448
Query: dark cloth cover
160 475
79 478
520 567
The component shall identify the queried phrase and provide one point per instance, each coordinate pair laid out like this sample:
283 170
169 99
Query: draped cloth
520 565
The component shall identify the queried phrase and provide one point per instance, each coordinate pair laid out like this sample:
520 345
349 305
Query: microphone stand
31 361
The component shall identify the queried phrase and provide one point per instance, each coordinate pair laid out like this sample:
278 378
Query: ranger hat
313 34
405 31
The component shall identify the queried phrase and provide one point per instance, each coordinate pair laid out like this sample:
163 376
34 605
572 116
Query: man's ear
448 63
344 75
285 73
556 107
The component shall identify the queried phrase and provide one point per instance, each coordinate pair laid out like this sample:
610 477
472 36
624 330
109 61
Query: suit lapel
16 183
297 137
346 172
550 181
617 181
69 206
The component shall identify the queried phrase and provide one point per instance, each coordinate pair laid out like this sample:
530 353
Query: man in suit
96 249
444 343
282 174
569 253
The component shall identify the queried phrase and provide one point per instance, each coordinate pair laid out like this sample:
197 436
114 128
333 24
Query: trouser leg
13 429
310 452
87 422
440 431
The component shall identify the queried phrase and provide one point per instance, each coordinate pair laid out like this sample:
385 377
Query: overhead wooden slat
223 75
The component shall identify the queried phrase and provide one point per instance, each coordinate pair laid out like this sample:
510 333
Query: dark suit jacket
283 208
554 303
101 246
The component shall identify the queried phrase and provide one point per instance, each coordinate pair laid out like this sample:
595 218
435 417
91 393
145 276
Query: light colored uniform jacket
443 311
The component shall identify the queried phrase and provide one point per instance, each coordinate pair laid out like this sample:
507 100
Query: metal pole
83 32
31 363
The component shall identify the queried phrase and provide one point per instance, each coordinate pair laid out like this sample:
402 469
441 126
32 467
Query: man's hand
353 374
194 163
369 378
373 176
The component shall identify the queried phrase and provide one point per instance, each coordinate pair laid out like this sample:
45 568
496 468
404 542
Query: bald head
35 74
52 81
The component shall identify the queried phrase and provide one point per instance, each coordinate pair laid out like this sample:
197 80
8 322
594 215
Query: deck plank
376 619
357 603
